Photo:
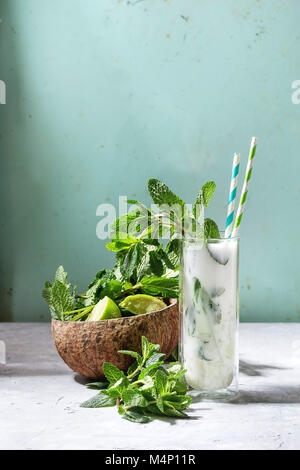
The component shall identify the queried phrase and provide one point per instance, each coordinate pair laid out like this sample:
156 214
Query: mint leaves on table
148 389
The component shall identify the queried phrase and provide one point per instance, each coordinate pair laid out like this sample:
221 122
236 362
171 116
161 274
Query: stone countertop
40 399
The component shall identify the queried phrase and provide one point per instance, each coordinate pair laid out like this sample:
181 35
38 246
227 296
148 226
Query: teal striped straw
232 195
244 193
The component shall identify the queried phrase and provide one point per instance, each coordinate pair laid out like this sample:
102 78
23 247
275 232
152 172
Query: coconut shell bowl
85 346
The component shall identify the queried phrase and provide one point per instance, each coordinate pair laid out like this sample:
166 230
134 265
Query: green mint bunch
148 389
135 235
64 304
184 223
173 216
143 262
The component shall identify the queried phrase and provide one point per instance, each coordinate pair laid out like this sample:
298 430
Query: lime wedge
104 310
142 303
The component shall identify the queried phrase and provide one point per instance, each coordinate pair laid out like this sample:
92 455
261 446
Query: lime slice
142 303
104 310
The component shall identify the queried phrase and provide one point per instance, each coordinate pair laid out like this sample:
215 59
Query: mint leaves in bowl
85 346
134 298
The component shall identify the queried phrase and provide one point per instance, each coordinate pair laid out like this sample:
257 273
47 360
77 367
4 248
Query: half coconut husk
85 346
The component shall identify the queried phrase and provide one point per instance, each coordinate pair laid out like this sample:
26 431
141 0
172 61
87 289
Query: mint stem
124 292
135 372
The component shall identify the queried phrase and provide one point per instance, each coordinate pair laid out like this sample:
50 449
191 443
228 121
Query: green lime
142 303
104 310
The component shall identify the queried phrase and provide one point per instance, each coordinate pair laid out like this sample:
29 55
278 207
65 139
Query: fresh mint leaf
112 373
133 415
134 222
205 194
97 385
180 402
161 382
161 194
58 295
175 369
179 386
155 264
121 224
149 368
115 390
91 295
141 260
132 260
134 354
156 228
150 263
154 410
155 358
134 398
61 275
61 299
147 386
98 401
173 250
160 404
170 410
118 245
211 229
160 286
148 348
208 190
121 241
111 289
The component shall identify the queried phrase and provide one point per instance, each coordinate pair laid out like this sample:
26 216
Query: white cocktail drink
209 309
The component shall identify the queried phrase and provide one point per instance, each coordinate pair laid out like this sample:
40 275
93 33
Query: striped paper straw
232 194
244 193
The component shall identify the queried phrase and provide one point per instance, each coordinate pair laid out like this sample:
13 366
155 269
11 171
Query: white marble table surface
40 397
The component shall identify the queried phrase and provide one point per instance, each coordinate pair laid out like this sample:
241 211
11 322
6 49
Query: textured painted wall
102 95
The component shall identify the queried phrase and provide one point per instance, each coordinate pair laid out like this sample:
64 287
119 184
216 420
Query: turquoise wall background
103 94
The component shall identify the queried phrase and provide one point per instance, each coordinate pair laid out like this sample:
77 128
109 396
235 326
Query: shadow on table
256 369
283 394
83 380
271 394
275 394
21 371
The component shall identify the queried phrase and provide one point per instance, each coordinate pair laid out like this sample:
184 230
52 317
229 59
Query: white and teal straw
244 193
232 195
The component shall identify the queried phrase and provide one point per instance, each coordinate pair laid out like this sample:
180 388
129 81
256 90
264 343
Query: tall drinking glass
209 312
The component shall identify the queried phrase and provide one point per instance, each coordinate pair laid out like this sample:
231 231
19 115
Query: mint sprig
147 390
